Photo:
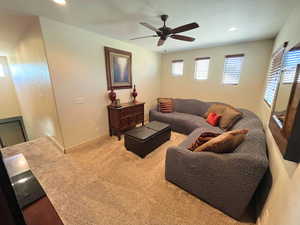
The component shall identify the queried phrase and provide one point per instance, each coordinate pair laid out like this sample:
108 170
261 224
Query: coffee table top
147 131
158 126
141 133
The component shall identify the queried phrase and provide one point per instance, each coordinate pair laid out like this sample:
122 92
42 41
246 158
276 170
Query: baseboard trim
57 144
97 140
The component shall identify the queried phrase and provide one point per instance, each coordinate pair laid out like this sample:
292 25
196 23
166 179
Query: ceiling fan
164 32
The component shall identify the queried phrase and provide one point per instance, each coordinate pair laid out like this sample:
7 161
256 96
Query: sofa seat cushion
183 122
201 123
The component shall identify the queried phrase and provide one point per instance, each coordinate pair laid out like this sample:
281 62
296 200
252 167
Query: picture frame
118 68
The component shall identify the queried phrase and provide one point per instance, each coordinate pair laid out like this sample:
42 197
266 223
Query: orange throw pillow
213 119
165 105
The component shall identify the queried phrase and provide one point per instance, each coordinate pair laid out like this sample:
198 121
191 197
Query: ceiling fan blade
182 37
154 35
151 27
184 28
160 42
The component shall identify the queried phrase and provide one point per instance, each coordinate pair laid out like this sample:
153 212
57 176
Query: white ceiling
11 28
119 19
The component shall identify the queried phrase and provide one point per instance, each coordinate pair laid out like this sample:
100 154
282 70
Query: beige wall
33 85
246 94
9 105
76 60
283 205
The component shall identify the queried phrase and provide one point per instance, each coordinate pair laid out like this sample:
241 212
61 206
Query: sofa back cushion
249 121
190 106
255 142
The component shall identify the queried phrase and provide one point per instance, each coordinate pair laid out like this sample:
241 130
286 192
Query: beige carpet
105 184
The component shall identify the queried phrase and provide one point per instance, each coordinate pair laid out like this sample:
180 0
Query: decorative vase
112 96
134 94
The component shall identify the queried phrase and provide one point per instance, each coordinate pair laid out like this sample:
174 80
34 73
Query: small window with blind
274 75
232 69
177 67
201 68
291 60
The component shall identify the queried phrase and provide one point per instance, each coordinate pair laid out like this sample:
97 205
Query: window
291 60
274 75
2 74
177 67
201 68
232 69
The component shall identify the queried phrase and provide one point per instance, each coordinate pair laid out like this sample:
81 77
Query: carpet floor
105 184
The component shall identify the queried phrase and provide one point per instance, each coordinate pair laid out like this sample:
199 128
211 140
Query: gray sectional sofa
226 181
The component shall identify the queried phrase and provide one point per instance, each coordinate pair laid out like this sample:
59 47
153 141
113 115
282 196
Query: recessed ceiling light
232 29
61 2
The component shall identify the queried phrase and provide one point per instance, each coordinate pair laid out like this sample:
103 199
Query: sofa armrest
226 181
152 113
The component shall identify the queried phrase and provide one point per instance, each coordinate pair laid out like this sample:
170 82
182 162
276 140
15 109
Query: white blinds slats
177 67
291 60
232 69
201 68
274 76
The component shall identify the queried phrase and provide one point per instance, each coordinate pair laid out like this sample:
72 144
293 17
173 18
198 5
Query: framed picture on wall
118 68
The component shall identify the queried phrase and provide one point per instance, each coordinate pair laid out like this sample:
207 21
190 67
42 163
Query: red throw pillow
213 119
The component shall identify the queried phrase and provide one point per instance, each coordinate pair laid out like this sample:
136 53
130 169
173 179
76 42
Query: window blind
177 67
201 68
291 60
274 75
232 69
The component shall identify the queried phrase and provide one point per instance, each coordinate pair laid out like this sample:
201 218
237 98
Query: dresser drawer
123 123
138 108
131 111
126 112
127 122
139 118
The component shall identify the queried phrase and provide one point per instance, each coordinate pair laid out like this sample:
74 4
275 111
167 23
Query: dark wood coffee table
143 140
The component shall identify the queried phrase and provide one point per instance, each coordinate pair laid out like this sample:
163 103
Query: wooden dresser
125 117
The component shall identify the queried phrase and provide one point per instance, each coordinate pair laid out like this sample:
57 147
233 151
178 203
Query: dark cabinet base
125 117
